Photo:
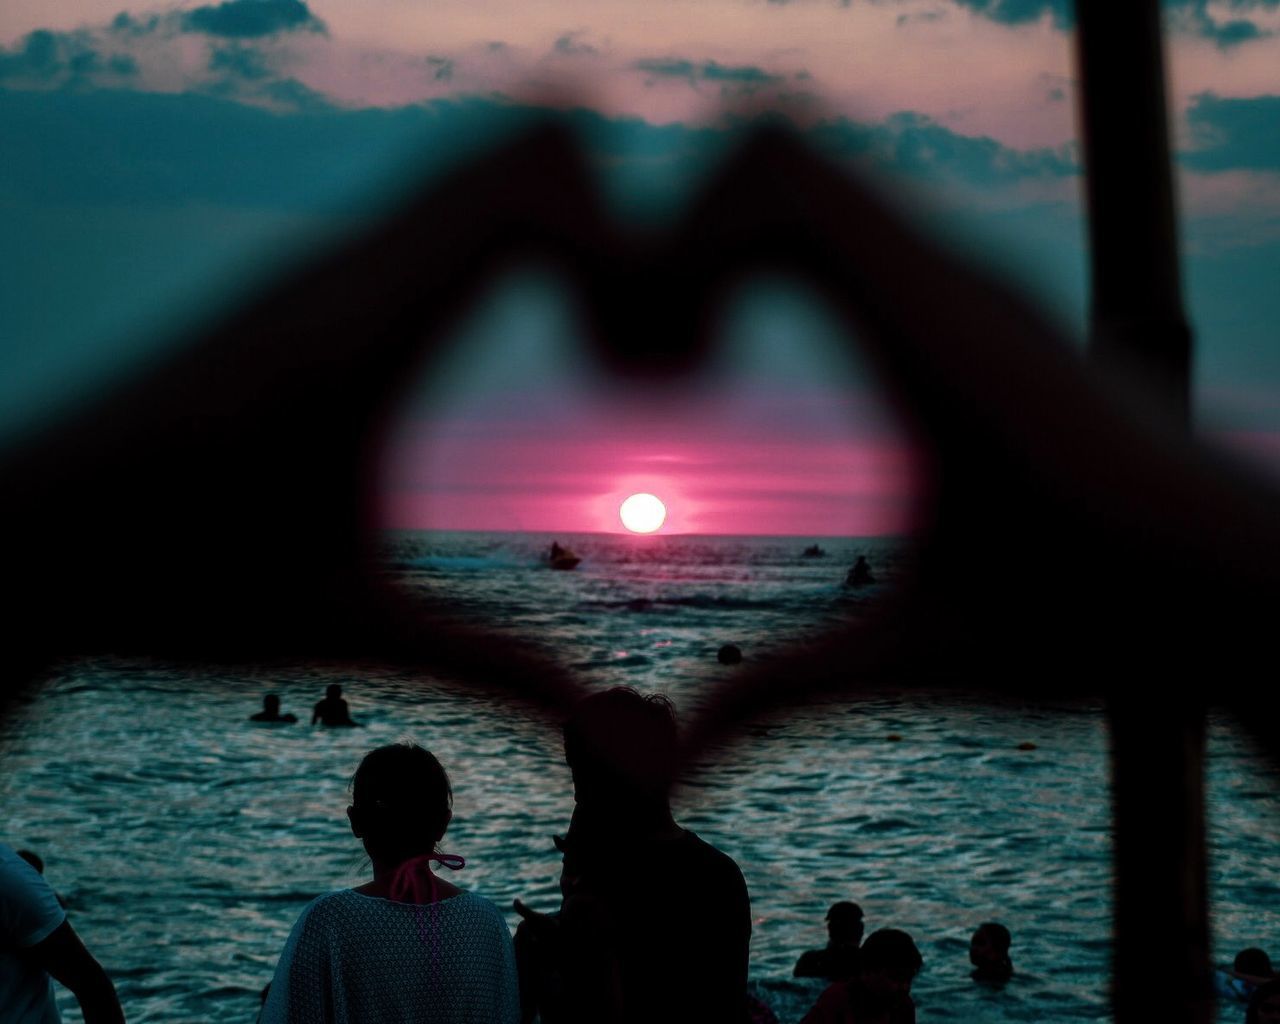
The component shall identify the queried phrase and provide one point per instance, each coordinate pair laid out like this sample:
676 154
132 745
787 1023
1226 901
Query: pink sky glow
787 487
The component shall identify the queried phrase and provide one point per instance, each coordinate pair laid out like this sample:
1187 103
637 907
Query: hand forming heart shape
1112 552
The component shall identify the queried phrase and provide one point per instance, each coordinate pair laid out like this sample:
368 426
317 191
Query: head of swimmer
622 748
887 964
989 948
844 924
401 803
333 692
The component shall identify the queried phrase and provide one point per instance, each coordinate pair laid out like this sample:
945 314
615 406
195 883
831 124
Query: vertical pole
1137 321
1138 329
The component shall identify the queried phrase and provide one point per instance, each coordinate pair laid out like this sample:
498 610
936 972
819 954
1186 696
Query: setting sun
642 513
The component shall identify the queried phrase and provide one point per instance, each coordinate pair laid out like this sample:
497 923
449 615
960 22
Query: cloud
48 58
111 147
251 19
915 145
731 78
1190 16
569 46
38 57
238 62
1233 134
1021 12
442 68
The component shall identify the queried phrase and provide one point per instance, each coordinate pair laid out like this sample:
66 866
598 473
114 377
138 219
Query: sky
160 160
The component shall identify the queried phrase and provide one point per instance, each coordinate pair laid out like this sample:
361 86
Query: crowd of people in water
654 923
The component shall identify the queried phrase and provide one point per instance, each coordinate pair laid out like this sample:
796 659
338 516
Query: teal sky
161 161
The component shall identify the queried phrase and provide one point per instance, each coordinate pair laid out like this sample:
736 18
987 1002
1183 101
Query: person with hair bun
407 946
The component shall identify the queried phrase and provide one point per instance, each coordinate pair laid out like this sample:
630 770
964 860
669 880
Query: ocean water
186 839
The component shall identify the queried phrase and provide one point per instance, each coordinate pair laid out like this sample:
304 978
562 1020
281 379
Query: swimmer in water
860 575
333 709
839 961
880 993
989 954
271 711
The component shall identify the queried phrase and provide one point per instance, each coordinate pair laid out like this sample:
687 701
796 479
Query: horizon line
658 533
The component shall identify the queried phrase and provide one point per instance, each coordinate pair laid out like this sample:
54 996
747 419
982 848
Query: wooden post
1161 968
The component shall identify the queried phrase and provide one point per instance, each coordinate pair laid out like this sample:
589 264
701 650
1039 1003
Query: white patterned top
355 959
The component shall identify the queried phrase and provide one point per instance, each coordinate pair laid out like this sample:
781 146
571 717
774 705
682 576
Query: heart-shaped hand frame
1115 559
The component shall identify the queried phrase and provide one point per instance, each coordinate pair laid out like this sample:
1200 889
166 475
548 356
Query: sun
642 513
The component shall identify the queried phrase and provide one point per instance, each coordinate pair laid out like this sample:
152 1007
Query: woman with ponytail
407 946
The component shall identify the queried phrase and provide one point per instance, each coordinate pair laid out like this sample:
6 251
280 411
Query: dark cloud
934 15
1231 33
45 57
251 19
1234 134
567 45
1184 15
125 23
128 147
916 146
1019 12
739 78
39 57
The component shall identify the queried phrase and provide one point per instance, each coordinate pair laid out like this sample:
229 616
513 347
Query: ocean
186 839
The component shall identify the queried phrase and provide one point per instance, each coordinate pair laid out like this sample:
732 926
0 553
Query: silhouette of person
989 953
37 943
271 711
880 993
1252 963
839 960
860 575
333 709
1264 1004
1250 969
655 923
407 945
729 654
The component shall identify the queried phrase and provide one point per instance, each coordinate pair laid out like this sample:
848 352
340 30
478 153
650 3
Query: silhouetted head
887 964
401 803
844 923
333 691
31 858
621 746
989 949
271 704
729 654
1264 1004
1254 962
